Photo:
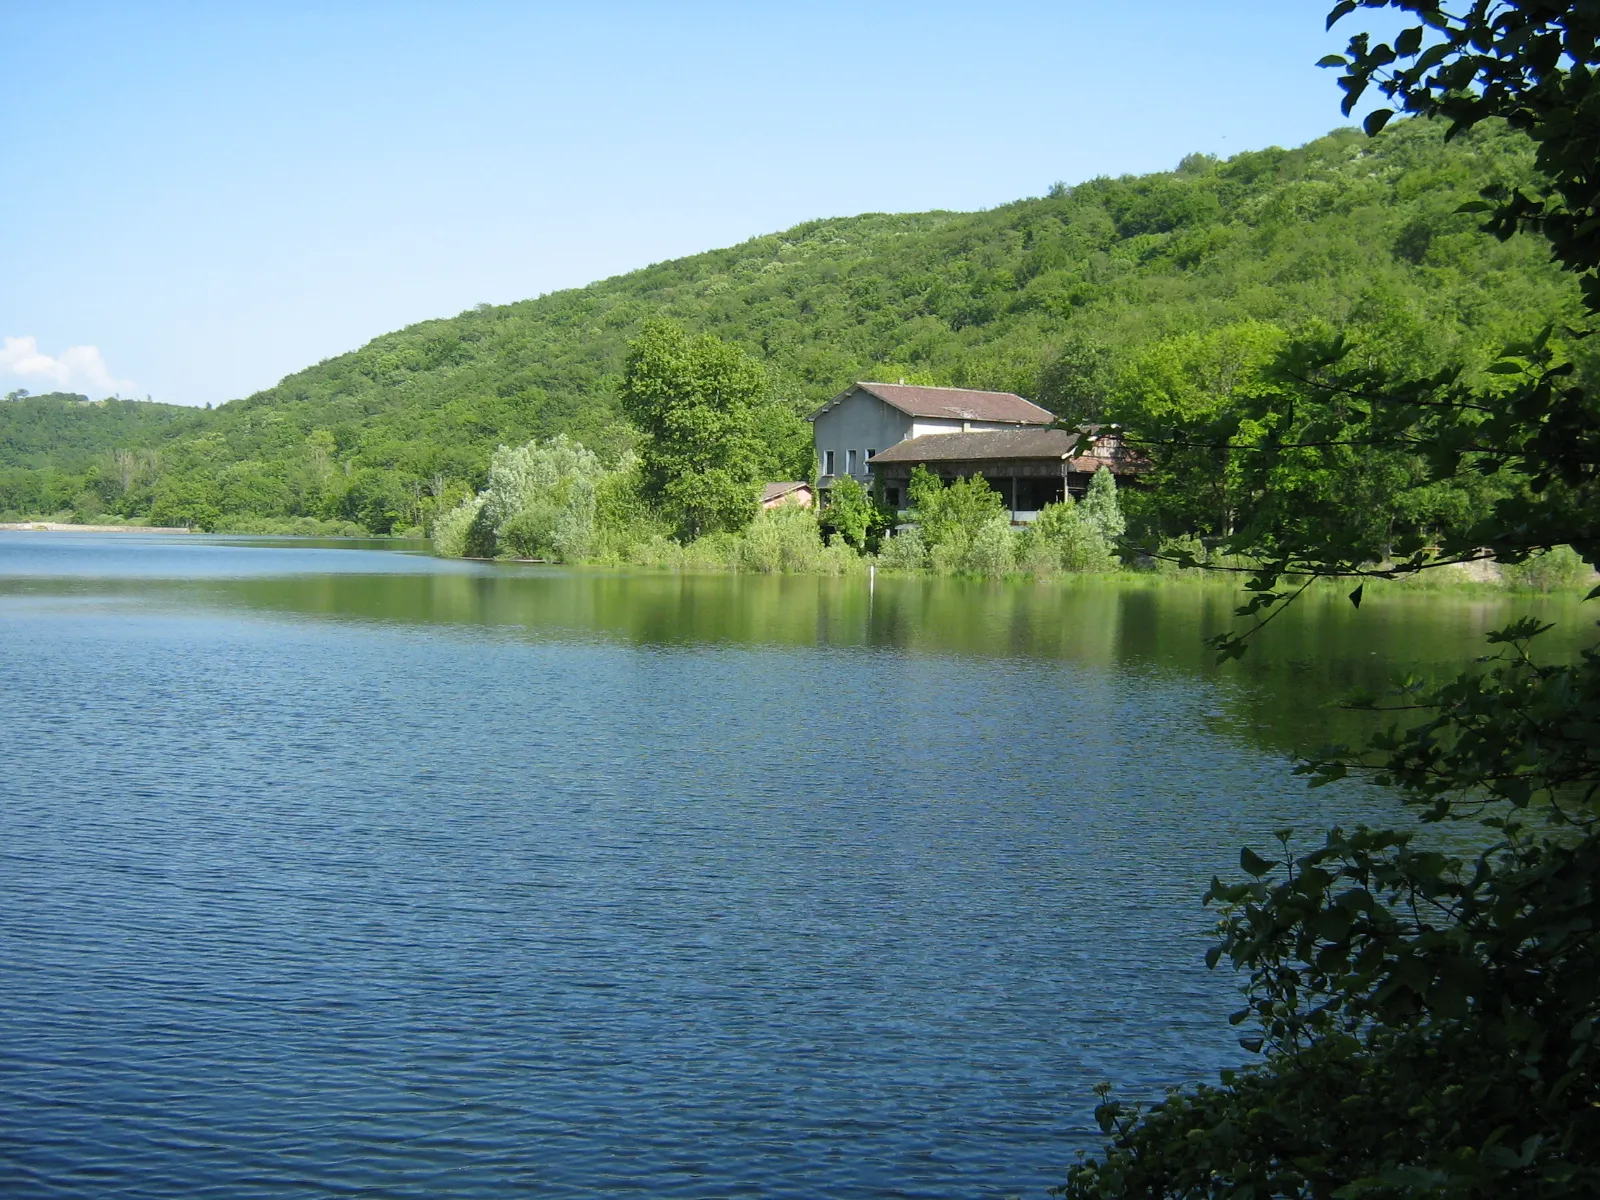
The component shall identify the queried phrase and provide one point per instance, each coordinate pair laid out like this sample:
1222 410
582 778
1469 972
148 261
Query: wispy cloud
78 368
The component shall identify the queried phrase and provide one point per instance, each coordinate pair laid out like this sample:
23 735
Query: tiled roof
954 404
777 491
1000 444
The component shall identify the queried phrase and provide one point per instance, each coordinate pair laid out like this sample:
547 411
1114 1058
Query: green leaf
1253 863
1355 596
1376 120
1340 10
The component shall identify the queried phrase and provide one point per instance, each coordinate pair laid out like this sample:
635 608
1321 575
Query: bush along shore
554 501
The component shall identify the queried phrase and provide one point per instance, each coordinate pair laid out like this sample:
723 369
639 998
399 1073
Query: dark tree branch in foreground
1426 1020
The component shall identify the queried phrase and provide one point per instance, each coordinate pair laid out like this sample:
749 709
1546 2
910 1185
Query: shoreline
62 527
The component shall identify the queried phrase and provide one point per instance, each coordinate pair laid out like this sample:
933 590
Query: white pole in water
872 577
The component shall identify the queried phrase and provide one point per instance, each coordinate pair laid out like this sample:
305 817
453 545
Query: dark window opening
1034 494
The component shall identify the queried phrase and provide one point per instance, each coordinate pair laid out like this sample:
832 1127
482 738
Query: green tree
548 499
964 525
1076 383
1184 398
186 500
369 496
696 400
1426 1019
541 499
851 511
1101 511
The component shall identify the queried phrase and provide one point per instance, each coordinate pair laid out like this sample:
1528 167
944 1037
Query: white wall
926 425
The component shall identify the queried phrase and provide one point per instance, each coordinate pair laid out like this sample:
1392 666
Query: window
827 462
870 453
891 497
850 462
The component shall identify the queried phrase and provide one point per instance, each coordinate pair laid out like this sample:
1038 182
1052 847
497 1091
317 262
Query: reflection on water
328 869
1287 690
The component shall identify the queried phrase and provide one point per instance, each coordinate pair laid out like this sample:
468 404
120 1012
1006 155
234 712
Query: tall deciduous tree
698 402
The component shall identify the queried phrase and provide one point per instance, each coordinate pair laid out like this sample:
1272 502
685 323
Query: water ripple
297 909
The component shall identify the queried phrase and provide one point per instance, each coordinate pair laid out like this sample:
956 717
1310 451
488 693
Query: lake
332 870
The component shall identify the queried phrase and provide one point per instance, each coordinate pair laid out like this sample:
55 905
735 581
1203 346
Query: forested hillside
1056 297
69 432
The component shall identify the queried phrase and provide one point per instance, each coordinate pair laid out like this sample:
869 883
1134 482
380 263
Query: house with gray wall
868 417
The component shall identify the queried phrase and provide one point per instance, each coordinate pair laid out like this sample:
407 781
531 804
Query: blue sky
199 199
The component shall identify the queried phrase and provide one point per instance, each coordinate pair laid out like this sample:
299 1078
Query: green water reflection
1285 693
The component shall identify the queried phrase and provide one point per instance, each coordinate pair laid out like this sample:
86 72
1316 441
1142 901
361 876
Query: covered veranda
1030 468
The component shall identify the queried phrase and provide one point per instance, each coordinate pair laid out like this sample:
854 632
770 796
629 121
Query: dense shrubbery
1075 537
855 515
788 539
554 501
963 528
544 500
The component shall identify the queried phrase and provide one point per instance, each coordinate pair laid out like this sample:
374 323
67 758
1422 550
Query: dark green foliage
853 514
69 432
697 403
187 500
1047 296
1279 451
1076 384
62 451
1426 1018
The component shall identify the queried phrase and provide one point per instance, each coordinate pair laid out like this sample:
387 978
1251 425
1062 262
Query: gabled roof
777 491
950 404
